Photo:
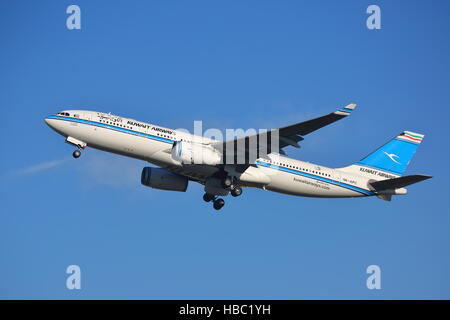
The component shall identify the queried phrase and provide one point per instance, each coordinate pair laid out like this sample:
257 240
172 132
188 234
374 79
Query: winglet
345 111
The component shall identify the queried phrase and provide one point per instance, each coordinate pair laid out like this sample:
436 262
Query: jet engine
195 153
163 179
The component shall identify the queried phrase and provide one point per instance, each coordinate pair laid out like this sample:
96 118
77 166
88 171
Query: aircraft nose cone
49 122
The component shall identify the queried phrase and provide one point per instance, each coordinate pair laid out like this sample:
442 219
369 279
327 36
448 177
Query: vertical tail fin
392 158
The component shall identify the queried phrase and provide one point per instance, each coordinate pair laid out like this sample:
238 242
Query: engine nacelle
159 178
195 153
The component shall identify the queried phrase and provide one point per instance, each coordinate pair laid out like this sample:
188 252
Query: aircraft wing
259 145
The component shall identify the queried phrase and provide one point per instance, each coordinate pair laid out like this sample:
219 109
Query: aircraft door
336 175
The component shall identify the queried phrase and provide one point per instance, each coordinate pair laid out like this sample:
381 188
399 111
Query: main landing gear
218 203
227 183
236 191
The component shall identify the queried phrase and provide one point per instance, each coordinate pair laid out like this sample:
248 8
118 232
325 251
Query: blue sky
233 64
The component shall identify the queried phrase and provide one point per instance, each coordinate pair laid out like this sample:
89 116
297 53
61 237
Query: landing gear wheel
226 183
76 154
208 197
236 191
218 203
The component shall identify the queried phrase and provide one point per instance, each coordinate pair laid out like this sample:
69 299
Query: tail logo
392 156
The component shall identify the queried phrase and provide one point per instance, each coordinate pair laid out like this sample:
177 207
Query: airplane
260 164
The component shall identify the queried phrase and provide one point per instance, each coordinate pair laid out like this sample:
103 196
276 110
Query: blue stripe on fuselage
312 176
137 133
111 127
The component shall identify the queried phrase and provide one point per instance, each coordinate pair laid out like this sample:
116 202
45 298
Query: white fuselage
152 143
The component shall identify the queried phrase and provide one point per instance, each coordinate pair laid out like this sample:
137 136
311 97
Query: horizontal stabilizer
397 182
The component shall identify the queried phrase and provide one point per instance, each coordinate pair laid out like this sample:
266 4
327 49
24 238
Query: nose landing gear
77 143
76 154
